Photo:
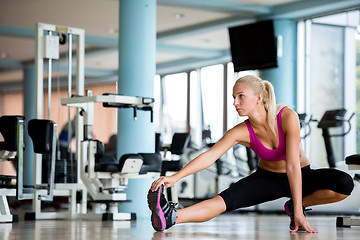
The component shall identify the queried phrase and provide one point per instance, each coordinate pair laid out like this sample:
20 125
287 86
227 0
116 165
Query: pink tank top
271 155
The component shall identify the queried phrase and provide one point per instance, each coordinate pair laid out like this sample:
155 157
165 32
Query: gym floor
226 226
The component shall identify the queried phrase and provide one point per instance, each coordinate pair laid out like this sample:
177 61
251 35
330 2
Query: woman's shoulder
287 112
239 133
289 118
240 126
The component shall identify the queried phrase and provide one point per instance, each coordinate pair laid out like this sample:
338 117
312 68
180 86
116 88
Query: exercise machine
48 40
43 135
305 121
332 119
353 162
106 182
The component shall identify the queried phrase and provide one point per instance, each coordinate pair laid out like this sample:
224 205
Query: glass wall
330 81
327 83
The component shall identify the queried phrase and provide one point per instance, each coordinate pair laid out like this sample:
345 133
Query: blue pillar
137 44
29 113
284 77
137 47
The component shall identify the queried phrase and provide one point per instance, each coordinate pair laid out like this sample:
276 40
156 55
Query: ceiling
190 33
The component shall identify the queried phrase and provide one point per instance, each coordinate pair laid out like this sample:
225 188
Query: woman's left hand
300 220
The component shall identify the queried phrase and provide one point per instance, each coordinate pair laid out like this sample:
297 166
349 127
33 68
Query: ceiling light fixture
205 40
113 31
179 15
3 55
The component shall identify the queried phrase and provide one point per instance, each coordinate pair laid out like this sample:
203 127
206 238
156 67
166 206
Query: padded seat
353 159
103 162
42 134
128 163
9 130
152 162
5 181
179 143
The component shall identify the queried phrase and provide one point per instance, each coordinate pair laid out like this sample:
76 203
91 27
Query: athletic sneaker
289 209
163 214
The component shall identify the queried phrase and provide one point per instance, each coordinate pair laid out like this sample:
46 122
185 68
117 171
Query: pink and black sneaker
289 209
163 214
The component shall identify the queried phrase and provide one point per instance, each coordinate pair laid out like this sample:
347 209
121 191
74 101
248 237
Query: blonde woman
273 133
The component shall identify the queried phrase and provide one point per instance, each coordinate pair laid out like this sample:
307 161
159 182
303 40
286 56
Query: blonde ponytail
269 101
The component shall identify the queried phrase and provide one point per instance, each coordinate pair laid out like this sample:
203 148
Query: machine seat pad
41 132
5 181
8 129
170 166
353 159
107 167
106 163
2 146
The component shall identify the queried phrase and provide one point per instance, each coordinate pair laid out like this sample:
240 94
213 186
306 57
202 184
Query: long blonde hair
269 100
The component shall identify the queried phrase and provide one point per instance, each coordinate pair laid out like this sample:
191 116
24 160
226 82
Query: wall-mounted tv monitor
253 46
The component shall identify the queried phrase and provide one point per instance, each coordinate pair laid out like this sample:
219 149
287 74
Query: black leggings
263 186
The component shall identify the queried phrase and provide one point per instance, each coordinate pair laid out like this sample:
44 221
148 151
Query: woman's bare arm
291 128
206 159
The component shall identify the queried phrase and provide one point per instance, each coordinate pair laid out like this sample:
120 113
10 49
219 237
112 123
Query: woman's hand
168 181
300 220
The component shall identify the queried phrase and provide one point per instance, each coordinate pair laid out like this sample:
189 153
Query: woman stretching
273 133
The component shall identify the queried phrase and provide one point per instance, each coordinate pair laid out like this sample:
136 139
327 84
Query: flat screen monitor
253 46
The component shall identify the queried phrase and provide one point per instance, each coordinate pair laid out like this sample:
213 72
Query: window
212 85
233 117
358 91
175 105
195 109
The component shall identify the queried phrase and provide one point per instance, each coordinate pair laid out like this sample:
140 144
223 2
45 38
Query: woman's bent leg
322 197
202 211
322 186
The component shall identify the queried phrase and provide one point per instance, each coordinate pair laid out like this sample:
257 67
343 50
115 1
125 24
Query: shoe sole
157 215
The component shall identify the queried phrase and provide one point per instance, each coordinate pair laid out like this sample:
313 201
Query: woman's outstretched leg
164 215
202 211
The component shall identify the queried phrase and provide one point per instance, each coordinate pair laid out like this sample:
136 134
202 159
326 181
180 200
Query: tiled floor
227 226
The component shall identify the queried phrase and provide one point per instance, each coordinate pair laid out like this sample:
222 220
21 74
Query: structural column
29 113
137 47
137 43
283 77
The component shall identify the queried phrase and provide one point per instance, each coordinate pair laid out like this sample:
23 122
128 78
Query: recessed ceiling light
4 55
113 30
205 40
179 15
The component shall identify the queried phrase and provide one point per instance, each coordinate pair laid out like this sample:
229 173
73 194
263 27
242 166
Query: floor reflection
227 226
